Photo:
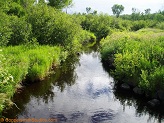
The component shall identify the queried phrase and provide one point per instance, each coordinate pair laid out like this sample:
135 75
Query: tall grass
138 57
21 62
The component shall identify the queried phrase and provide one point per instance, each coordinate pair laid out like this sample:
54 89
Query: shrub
53 27
138 25
21 31
6 82
138 57
5 30
160 25
98 24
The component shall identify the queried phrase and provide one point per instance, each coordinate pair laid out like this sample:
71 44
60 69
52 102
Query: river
81 91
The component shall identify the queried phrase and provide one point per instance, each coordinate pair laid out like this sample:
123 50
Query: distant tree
69 6
117 9
135 14
88 9
59 4
94 12
147 11
161 12
135 10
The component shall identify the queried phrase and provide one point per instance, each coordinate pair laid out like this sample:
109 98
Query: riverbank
26 64
137 59
79 81
22 63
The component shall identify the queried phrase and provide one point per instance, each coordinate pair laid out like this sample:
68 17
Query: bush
138 25
65 29
87 38
50 26
160 25
98 24
138 57
15 9
21 31
5 30
6 82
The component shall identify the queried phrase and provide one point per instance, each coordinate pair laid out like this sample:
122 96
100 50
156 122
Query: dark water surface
81 91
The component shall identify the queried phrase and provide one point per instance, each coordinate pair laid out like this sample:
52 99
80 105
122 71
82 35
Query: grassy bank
138 57
21 62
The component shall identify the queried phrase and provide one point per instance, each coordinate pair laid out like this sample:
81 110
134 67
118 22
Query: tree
88 9
147 11
135 10
117 9
16 9
59 4
69 6
135 14
94 12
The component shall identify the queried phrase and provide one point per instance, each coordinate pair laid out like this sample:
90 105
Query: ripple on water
102 116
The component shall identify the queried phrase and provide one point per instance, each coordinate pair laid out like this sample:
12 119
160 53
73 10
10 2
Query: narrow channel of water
81 91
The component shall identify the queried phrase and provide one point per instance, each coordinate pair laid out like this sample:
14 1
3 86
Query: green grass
21 62
138 57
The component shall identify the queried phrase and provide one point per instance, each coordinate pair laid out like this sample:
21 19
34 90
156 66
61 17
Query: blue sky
105 5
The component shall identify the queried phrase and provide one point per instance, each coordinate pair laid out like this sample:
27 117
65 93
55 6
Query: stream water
81 91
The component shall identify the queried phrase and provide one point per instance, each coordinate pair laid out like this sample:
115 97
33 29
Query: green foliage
117 9
15 9
32 62
5 30
66 29
59 4
21 31
21 62
6 82
98 24
150 19
87 38
159 17
138 25
138 57
160 25
56 27
30 25
27 25
42 21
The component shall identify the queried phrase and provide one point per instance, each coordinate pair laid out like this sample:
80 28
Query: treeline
103 24
137 15
144 19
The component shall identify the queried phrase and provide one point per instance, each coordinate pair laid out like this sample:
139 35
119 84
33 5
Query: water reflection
81 91
141 106
42 91
65 75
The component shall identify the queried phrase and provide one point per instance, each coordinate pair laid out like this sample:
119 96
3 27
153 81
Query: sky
105 5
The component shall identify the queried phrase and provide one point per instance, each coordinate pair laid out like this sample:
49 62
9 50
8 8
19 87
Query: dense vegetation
35 37
138 57
20 62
